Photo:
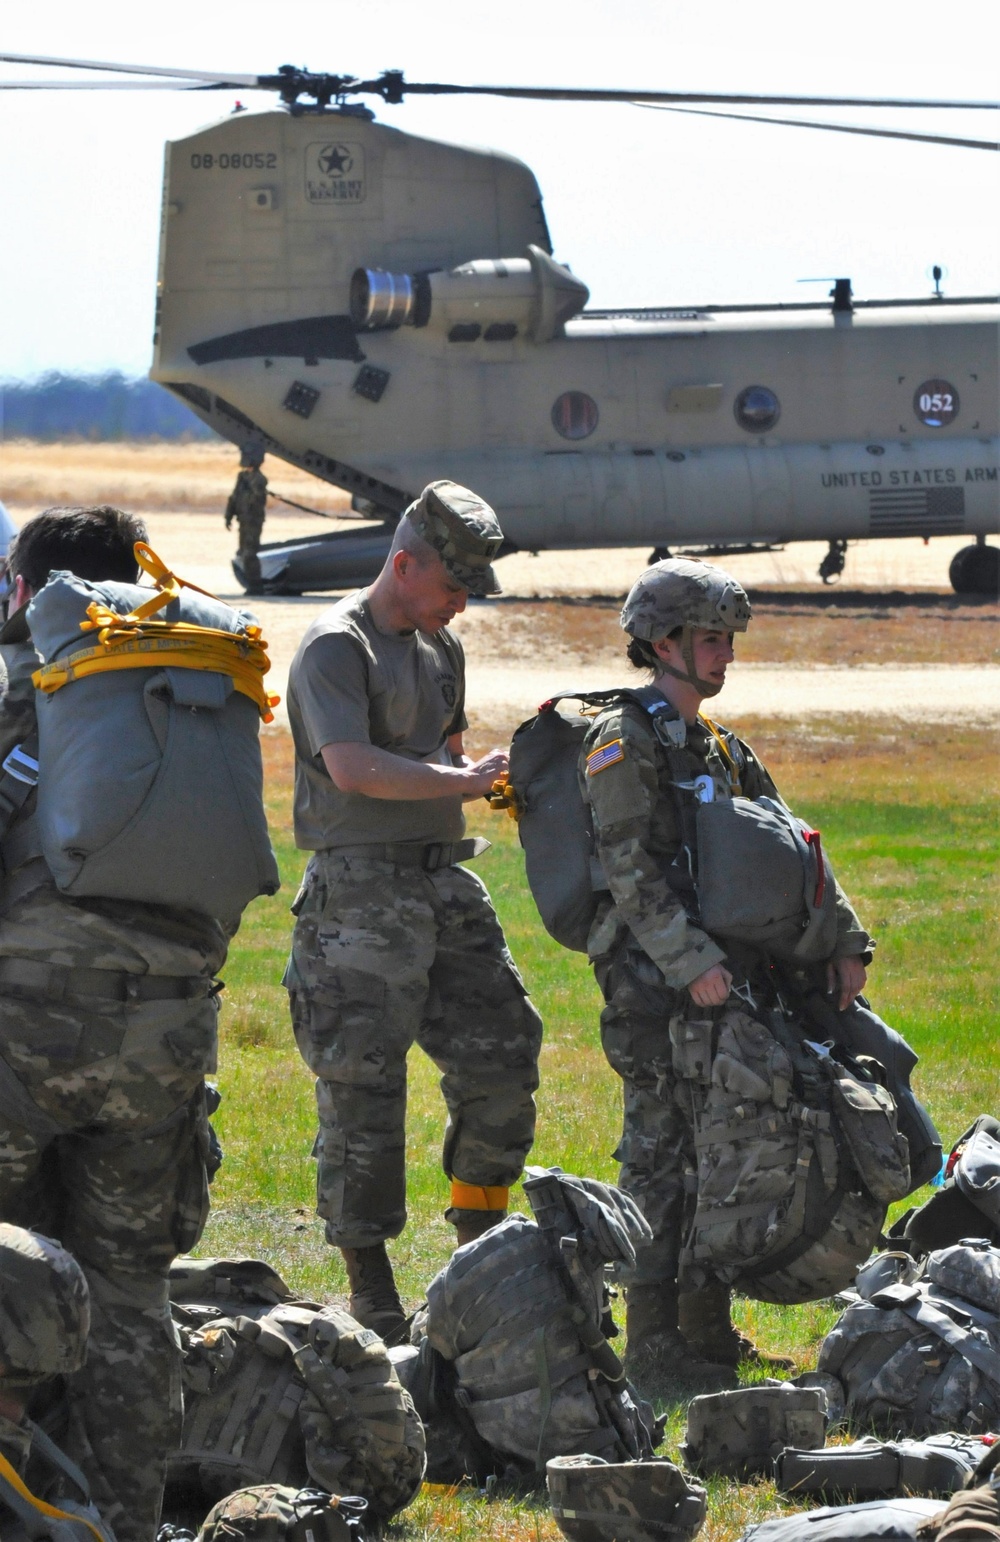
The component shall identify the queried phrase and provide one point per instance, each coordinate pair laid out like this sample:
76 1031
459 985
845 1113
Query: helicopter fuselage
384 311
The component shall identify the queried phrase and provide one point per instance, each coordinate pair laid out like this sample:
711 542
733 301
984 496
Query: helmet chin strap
706 687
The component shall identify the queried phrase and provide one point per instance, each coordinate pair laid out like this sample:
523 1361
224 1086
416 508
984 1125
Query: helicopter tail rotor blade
208 77
833 128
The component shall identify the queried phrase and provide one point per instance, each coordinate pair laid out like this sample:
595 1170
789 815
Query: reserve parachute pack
518 1316
286 1392
149 775
649 1501
787 904
739 1434
917 1351
871 1468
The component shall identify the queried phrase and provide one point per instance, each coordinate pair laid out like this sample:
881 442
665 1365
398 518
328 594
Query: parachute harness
135 641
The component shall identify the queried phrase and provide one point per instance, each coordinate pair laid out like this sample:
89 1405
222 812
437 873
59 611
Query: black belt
430 857
57 981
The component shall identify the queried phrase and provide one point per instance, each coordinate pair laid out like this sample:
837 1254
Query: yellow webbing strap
734 770
40 1505
474 1196
137 642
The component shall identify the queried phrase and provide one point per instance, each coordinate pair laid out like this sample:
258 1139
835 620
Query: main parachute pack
149 775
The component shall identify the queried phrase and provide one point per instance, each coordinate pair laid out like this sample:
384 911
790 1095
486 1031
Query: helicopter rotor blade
392 79
209 77
834 128
117 85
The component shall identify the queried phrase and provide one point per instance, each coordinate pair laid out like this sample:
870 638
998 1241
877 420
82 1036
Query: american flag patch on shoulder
605 755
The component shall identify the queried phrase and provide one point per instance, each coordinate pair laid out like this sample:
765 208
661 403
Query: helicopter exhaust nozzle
492 297
380 300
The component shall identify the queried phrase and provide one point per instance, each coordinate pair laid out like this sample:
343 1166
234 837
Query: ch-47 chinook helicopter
382 310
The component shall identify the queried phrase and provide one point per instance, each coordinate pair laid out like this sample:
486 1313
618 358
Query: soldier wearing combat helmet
651 958
394 942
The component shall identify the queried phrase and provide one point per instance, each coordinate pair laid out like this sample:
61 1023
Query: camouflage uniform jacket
634 809
102 934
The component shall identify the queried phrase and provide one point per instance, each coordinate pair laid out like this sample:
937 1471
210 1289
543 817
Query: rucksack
881 1520
287 1392
968 1202
870 1468
158 696
739 1434
789 907
519 1316
917 1351
791 1142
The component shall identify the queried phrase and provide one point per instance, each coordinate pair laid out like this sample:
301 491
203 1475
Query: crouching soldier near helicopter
108 1020
44 1321
394 942
649 956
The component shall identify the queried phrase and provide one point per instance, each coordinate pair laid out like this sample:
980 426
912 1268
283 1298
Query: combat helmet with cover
44 1308
273 1512
680 592
648 1501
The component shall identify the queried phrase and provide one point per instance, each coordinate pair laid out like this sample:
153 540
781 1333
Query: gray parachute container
870 1468
150 783
739 1434
883 1520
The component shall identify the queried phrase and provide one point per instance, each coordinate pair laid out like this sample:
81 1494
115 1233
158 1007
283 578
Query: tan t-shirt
403 692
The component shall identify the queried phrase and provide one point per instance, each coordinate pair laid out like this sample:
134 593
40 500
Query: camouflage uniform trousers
248 506
103 1140
384 956
657 1145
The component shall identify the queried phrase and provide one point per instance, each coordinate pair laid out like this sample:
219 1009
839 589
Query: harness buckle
21 766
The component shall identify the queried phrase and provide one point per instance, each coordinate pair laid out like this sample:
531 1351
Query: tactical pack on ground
739 1434
517 1315
279 1391
148 758
968 1202
918 1349
648 1501
789 904
881 1520
870 1468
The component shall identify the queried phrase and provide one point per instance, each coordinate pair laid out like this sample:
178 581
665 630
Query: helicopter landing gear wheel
976 570
832 565
659 554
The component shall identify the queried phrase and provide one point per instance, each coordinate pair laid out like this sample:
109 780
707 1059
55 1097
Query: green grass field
909 819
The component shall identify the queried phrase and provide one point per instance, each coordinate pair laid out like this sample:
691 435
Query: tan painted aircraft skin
689 426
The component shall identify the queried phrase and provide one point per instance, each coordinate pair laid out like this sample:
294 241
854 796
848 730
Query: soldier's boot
658 1359
705 1321
471 1224
375 1300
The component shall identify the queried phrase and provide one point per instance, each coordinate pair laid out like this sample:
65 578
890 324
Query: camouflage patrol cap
682 592
44 1308
464 532
272 1512
597 1501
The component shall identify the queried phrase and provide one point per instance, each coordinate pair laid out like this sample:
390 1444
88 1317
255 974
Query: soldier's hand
229 522
847 977
483 773
711 989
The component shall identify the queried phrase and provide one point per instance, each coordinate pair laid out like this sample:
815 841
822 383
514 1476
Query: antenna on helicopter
842 294
937 273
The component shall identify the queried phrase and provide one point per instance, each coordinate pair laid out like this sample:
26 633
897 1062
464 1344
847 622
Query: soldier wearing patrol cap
651 958
394 942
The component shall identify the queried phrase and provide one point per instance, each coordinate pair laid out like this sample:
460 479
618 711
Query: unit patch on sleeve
605 755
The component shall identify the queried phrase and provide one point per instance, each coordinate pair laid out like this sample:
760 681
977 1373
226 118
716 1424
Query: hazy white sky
647 207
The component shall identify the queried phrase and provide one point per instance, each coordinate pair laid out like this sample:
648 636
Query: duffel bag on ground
883 1520
870 1468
